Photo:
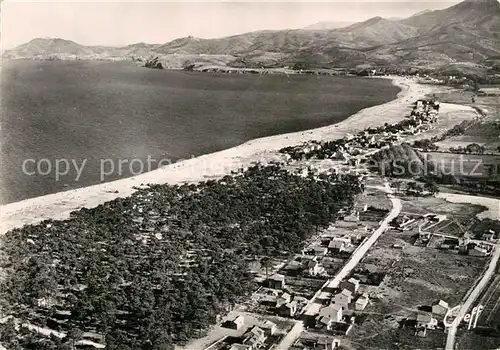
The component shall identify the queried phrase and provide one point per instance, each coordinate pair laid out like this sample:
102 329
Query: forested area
158 267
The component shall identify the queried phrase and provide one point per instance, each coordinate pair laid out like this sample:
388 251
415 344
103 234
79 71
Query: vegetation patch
158 267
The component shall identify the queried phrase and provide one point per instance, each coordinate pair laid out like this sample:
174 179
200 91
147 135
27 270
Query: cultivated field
487 133
416 278
464 165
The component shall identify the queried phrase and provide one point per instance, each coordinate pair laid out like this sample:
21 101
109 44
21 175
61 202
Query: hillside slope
466 32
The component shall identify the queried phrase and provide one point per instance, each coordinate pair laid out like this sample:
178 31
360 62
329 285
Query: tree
397 186
431 187
266 262
74 336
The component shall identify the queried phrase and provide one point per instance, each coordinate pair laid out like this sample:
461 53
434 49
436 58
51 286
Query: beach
59 205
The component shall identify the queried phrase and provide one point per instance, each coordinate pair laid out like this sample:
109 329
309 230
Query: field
416 277
486 133
464 165
424 205
384 332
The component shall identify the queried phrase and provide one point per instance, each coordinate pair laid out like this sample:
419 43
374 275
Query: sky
119 23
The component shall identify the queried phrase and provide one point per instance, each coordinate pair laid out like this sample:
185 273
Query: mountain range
465 34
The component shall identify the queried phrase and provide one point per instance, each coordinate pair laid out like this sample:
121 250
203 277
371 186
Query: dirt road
452 331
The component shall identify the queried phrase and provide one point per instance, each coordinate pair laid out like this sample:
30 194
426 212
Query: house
354 217
240 347
341 155
236 323
479 251
276 281
269 300
440 308
426 321
434 217
320 251
343 298
289 309
284 299
339 244
351 284
315 268
255 337
421 332
402 221
332 312
326 343
361 302
488 236
269 327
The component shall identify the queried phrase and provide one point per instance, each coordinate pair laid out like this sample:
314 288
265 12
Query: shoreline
59 205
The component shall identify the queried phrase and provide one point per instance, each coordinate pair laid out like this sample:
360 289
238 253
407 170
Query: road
452 331
312 308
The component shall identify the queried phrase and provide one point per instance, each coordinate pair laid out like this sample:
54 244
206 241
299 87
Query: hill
327 25
468 32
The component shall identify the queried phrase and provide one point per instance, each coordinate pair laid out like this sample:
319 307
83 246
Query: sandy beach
60 205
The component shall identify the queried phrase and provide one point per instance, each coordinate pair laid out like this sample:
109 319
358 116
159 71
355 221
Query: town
368 267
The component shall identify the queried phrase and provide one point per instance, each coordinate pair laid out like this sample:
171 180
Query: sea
71 124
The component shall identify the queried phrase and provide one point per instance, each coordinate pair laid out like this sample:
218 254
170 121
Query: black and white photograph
232 175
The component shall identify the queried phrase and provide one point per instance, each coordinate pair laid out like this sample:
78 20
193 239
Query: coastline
60 205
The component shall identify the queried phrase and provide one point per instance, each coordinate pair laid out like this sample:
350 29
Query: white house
353 217
236 323
269 327
328 315
339 243
320 251
315 268
351 284
361 302
343 298
440 308
276 281
426 321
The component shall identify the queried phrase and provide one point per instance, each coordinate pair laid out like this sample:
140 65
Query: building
276 281
289 309
320 251
255 337
269 300
426 321
361 302
326 343
236 323
340 155
351 284
284 299
440 308
269 327
343 298
332 312
315 268
339 244
354 217
240 347
479 251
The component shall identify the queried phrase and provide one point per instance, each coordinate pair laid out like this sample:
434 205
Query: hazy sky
126 22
